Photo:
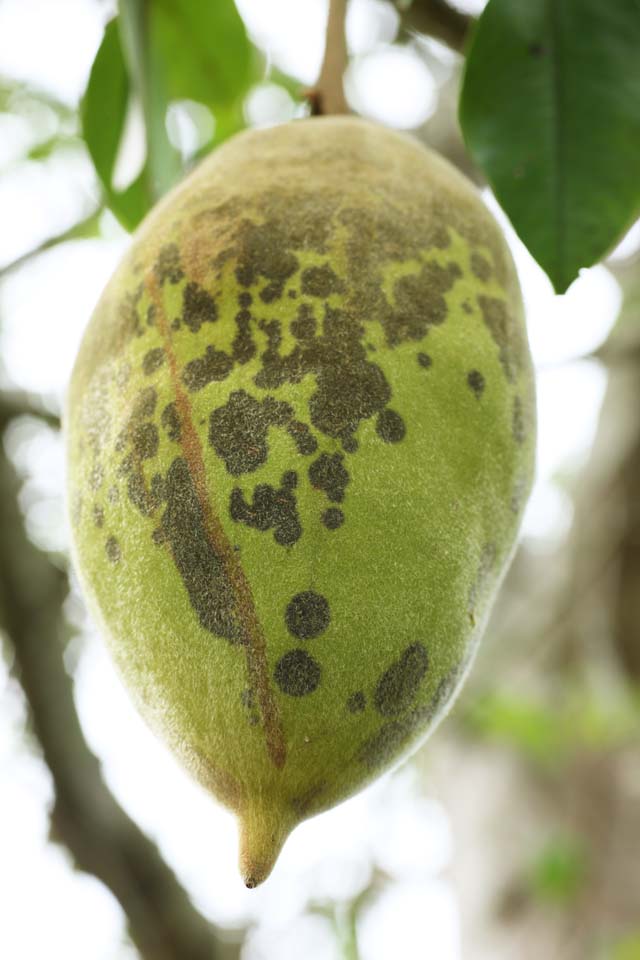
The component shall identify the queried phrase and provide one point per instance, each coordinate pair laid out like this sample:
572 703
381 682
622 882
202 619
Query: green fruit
301 435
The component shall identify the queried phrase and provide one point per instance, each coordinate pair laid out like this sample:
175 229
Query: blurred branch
83 228
104 841
327 96
15 404
436 18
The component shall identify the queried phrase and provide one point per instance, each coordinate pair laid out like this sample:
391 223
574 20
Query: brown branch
436 18
102 838
327 96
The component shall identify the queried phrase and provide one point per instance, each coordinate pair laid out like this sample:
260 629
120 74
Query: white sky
47 909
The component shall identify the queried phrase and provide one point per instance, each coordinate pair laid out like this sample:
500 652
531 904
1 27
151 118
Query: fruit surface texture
301 435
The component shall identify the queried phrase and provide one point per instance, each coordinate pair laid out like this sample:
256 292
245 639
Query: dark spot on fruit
466 306
182 528
270 509
238 430
304 803
425 360
98 515
293 294
518 426
243 348
112 548
356 702
113 495
390 426
144 405
399 684
304 325
307 615
151 315
214 365
480 267
198 307
297 673
170 420
321 281
245 300
305 442
506 334
153 360
167 266
329 474
144 440
263 253
476 382
419 302
333 518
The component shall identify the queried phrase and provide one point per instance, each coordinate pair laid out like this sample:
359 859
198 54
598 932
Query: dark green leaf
204 49
550 110
105 102
131 205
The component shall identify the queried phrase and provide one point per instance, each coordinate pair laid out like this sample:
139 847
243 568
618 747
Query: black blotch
182 527
151 315
170 420
212 366
399 684
518 425
152 361
357 702
305 442
304 325
98 515
270 508
243 348
328 473
297 673
480 267
307 615
505 334
466 306
321 281
332 518
476 382
263 253
144 440
238 430
245 300
293 294
390 426
420 302
144 405
167 266
198 307
425 360
112 548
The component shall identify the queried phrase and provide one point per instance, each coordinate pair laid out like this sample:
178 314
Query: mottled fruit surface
301 433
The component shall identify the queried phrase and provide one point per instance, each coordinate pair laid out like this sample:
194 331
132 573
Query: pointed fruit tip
263 832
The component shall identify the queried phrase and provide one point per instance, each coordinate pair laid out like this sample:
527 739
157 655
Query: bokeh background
514 833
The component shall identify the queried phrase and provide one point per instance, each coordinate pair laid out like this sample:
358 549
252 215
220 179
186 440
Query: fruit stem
327 95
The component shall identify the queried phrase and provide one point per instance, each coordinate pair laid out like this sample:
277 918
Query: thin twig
327 96
84 228
436 18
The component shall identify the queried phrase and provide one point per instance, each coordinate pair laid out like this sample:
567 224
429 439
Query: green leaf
550 110
204 49
104 106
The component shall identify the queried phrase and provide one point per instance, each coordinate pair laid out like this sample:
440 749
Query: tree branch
436 18
104 841
327 96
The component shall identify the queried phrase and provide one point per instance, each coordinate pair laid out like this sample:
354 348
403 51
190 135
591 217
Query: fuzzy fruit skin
300 436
